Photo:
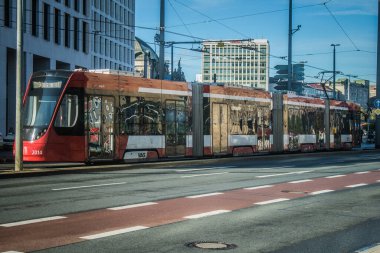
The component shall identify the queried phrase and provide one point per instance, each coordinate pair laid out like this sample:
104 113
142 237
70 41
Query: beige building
357 91
146 60
237 62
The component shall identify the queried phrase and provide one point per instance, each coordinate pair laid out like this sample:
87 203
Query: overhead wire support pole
377 121
19 72
290 74
172 61
334 72
161 62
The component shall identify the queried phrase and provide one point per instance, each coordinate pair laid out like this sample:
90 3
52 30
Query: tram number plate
136 155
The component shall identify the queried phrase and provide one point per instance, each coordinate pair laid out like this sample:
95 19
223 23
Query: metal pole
19 71
172 62
327 123
377 122
145 64
334 93
161 63
290 74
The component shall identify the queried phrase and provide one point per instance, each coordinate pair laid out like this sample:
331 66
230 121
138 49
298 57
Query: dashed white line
335 176
301 181
202 175
361 172
132 206
189 170
201 215
204 195
258 187
271 201
19 223
283 174
355 185
86 186
378 181
12 251
320 192
114 232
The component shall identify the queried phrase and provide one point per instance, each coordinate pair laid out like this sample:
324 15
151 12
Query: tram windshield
40 104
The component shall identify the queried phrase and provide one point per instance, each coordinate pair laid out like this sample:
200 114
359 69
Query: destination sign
44 85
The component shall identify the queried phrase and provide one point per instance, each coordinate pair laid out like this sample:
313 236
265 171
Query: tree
178 74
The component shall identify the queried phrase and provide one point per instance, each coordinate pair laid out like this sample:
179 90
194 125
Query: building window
67 30
67 3
35 17
46 21
76 5
85 37
7 13
57 26
84 7
76 33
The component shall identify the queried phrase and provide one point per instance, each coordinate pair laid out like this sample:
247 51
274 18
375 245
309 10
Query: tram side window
206 116
140 116
67 114
68 120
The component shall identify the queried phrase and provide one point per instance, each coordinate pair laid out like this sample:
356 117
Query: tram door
219 128
100 111
175 118
263 131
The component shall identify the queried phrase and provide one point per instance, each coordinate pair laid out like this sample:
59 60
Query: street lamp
334 45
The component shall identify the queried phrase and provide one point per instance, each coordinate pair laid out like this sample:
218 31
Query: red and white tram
85 116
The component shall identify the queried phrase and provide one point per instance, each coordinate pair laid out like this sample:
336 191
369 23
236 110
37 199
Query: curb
58 169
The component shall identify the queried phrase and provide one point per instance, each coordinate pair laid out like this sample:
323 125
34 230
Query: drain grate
211 245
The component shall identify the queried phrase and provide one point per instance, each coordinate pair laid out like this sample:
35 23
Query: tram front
52 120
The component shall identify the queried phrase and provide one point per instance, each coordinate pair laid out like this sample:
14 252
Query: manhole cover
211 245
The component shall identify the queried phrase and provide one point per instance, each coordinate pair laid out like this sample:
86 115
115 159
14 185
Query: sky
350 23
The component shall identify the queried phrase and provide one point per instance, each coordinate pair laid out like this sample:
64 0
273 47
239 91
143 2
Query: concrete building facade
113 34
63 34
237 62
357 91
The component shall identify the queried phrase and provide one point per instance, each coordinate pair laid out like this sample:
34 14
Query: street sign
377 111
376 103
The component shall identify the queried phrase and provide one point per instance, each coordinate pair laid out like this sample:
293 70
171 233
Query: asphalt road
343 219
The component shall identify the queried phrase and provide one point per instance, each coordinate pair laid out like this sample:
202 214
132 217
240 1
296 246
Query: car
1 141
8 141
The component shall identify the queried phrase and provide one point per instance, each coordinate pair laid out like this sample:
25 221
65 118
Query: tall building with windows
113 34
237 62
63 34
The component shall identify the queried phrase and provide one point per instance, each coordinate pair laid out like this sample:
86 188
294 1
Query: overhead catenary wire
341 27
250 15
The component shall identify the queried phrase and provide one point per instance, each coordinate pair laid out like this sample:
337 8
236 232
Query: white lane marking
271 201
201 215
370 249
320 192
201 175
258 187
86 186
355 185
378 181
283 174
204 195
200 169
25 222
11 251
189 170
114 232
361 172
300 181
132 206
336 176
